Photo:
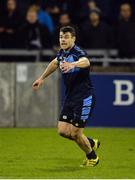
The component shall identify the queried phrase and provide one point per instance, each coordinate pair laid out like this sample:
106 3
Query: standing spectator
56 7
34 35
126 32
2 29
53 9
92 4
12 21
86 7
44 17
95 33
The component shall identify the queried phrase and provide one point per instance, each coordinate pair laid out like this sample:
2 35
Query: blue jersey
77 81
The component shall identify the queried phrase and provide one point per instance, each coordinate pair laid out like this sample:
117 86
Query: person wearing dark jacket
2 29
96 34
11 23
33 35
125 32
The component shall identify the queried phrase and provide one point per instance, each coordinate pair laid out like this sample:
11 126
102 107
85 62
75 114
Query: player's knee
63 133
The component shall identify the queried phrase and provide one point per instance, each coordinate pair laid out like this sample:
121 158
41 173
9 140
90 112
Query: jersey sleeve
81 54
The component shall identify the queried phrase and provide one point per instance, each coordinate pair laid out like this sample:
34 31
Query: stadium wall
20 105
7 94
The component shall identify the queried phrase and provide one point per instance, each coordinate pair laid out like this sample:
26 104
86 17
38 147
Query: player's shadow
61 165
61 169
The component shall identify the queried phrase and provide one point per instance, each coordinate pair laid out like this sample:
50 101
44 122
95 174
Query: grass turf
41 153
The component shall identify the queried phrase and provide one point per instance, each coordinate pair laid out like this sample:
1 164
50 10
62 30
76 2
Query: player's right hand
36 85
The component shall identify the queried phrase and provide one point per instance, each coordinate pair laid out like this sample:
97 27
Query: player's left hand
66 66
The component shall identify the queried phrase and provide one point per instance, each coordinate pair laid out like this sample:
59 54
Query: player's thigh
64 128
66 116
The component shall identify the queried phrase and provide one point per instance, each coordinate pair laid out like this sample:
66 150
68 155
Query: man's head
67 37
11 5
32 15
94 16
92 4
64 19
125 11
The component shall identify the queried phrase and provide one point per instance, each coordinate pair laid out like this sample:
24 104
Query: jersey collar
70 50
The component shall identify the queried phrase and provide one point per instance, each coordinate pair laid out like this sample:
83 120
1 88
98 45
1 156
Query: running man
79 99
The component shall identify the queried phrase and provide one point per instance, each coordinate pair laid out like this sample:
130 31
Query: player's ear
74 38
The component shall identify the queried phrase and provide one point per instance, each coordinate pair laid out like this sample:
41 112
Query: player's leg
78 136
64 129
88 106
95 143
83 142
67 130
64 124
82 111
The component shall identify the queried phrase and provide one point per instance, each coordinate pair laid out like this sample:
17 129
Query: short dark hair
70 29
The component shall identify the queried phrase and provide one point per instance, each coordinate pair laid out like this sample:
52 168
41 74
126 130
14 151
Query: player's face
66 40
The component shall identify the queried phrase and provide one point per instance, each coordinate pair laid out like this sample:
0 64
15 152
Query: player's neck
67 50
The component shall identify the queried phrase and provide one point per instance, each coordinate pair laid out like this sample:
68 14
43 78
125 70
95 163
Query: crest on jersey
64 117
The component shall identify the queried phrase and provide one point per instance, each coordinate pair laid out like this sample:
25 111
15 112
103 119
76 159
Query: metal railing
104 55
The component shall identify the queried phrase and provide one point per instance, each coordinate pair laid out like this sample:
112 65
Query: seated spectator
34 35
12 20
126 32
64 20
96 34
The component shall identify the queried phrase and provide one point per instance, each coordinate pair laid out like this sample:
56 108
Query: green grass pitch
41 153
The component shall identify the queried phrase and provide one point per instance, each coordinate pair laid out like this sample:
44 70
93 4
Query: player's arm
83 62
53 65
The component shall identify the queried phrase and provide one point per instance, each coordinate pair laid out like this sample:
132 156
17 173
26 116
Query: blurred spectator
2 29
87 6
33 34
105 7
56 7
96 34
12 20
52 7
64 20
125 12
92 4
44 18
126 32
73 7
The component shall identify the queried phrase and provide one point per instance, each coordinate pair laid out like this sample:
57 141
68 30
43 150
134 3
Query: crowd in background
35 24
